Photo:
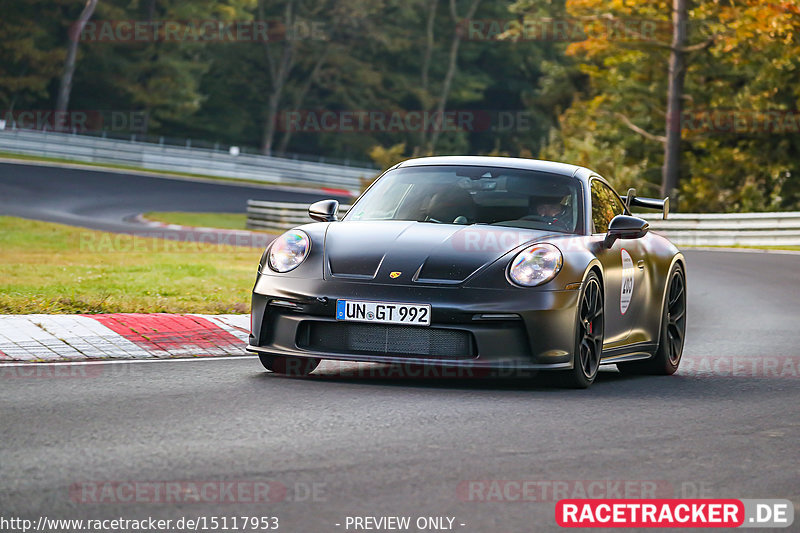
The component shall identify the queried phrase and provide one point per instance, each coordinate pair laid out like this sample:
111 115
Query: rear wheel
589 336
289 366
673 331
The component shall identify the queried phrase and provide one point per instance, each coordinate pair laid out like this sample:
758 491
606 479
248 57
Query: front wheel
673 331
289 366
589 337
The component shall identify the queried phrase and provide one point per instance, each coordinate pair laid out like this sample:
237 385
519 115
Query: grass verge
51 268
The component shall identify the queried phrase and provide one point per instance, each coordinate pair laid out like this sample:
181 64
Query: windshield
473 195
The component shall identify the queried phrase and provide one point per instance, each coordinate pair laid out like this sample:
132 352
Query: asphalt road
108 201
372 447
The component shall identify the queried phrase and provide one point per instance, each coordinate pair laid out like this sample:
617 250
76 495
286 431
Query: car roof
563 169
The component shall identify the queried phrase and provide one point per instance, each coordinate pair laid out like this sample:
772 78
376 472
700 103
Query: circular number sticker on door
627 282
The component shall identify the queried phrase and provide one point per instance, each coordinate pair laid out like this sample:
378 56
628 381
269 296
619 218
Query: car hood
399 252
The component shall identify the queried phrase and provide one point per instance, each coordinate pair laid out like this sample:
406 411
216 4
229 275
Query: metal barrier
202 161
279 216
730 229
684 229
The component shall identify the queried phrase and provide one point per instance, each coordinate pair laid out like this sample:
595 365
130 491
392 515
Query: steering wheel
546 220
538 218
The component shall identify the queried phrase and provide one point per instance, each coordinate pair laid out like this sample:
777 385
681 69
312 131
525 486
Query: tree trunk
426 65
452 66
273 104
150 15
72 53
279 75
677 72
301 96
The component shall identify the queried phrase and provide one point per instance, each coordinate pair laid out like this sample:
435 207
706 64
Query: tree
677 73
72 54
280 66
30 54
315 32
740 60
452 61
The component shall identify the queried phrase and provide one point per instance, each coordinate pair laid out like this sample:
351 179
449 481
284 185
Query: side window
605 206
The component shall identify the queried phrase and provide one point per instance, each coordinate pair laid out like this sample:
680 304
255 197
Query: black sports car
481 262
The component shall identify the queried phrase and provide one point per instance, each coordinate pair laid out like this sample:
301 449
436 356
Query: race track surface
725 426
108 201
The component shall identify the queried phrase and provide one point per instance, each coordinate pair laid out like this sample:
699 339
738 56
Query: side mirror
625 227
324 211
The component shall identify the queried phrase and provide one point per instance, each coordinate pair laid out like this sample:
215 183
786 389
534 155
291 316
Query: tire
588 336
672 335
289 366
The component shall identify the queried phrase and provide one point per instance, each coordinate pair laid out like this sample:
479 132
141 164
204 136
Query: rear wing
631 200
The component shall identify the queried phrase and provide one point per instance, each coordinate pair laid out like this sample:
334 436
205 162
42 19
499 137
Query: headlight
535 265
288 251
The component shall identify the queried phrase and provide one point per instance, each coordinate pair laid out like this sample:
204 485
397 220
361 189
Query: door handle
640 264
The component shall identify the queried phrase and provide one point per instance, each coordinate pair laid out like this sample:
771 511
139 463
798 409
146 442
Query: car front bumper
489 328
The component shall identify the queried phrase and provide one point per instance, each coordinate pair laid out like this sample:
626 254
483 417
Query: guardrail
193 160
279 216
730 229
684 229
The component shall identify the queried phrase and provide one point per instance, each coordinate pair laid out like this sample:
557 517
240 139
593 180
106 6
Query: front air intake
386 340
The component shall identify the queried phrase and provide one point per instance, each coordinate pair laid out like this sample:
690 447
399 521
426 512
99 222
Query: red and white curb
141 219
206 236
120 336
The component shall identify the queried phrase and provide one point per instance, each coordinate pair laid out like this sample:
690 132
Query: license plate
383 312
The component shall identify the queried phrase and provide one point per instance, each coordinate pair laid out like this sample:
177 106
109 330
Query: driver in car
554 211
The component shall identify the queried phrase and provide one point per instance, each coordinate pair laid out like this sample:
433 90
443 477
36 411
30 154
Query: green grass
795 248
50 268
204 220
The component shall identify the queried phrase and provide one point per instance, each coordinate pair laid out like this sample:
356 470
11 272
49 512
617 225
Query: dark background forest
580 81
